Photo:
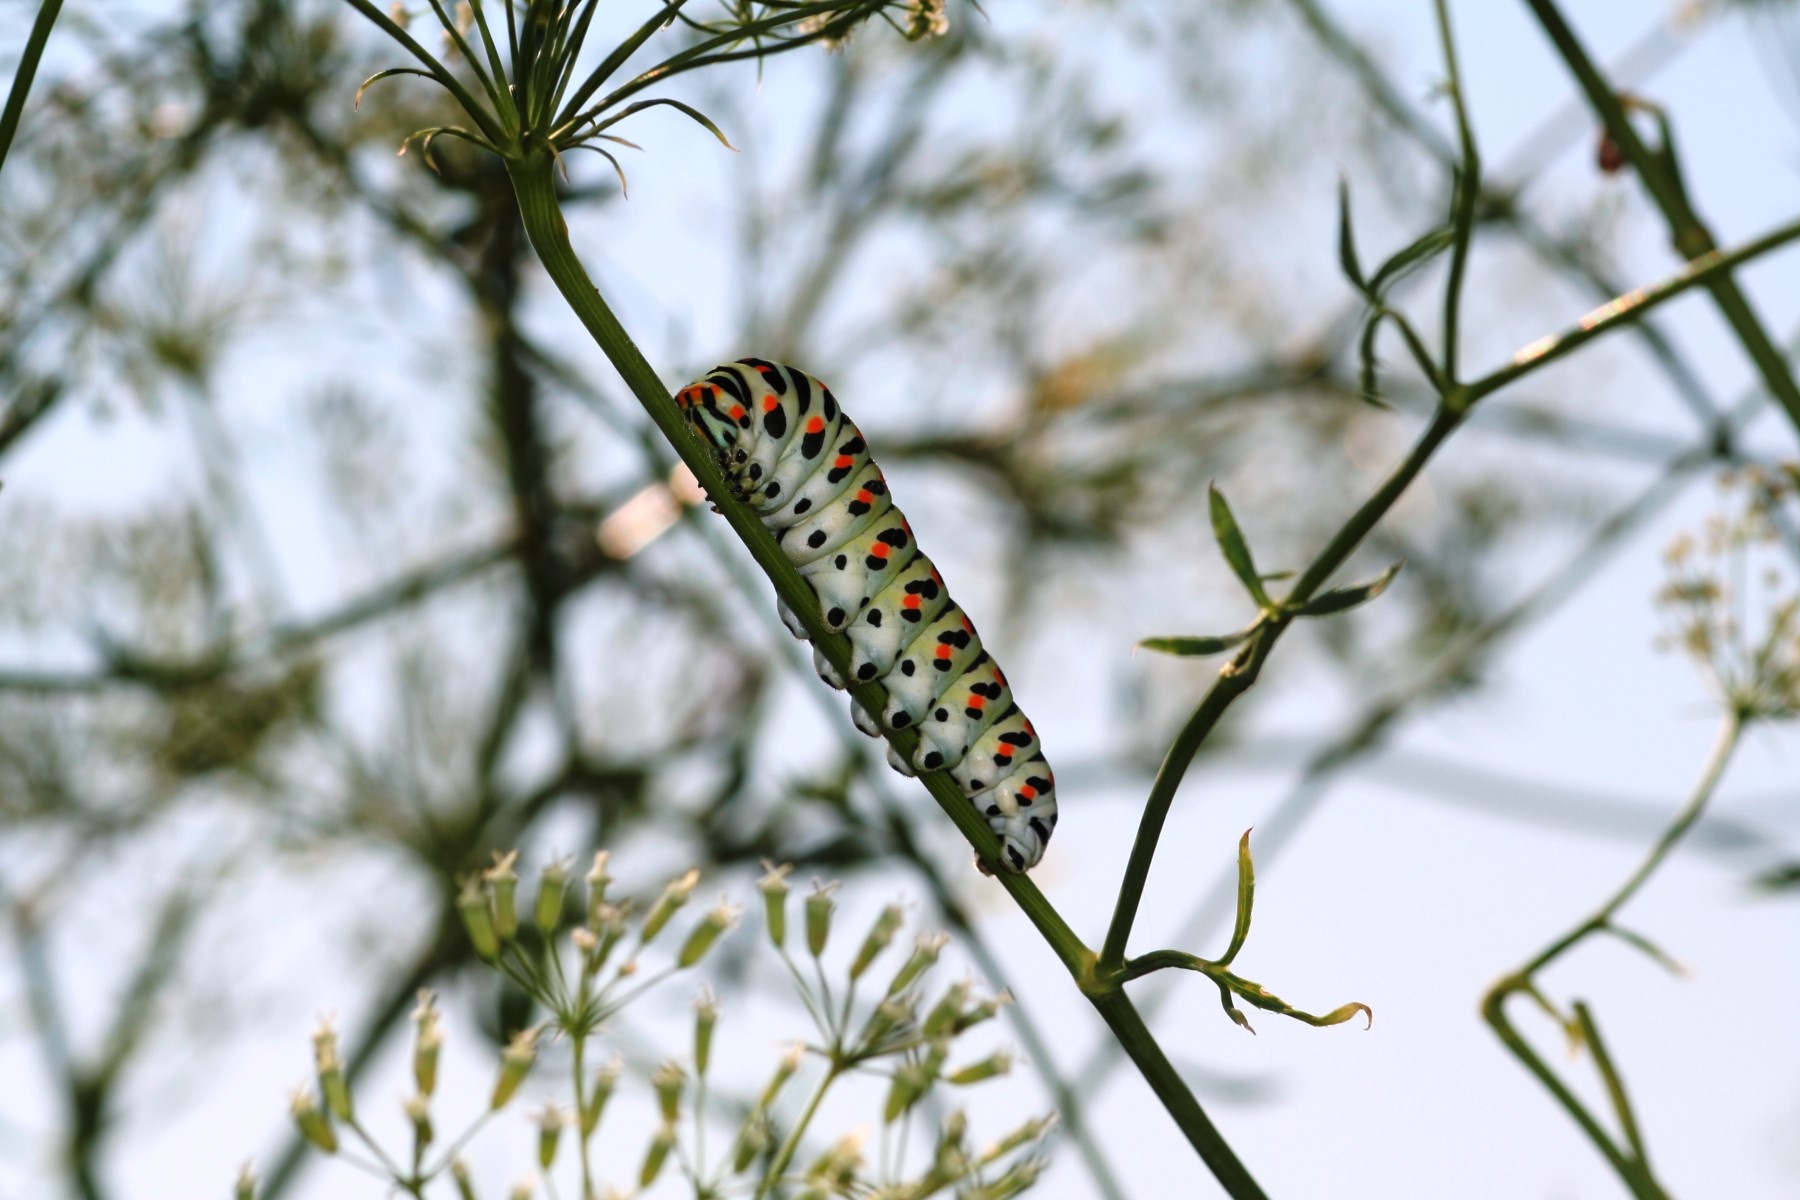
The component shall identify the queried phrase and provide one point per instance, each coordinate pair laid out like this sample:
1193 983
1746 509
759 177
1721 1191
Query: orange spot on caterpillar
843 460
1028 792
863 497
965 624
880 550
770 403
943 652
736 412
815 425
974 701
910 602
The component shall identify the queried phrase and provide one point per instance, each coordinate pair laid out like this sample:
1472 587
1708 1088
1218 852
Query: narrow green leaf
1246 899
1194 647
687 109
1368 386
1232 545
1661 957
1341 599
378 76
1410 258
1347 240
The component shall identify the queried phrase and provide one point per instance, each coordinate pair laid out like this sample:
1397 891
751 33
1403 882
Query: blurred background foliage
322 541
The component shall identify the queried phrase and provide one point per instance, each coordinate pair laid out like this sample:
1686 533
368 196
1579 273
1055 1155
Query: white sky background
1406 904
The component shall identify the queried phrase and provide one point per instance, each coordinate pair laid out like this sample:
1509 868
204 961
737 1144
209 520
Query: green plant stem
1240 674
28 65
1702 271
1723 748
1661 175
1121 1016
791 1143
1628 1162
534 184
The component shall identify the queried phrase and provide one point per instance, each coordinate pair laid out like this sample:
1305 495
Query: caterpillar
791 454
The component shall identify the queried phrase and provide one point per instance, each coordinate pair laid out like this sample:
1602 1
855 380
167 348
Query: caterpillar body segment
789 452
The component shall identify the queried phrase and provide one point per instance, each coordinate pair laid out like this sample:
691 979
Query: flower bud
459 1173
427 1041
246 1184
837 1167
1030 1131
706 1015
418 1111
719 918
819 907
553 885
503 887
909 1083
997 1063
331 1073
943 1015
982 1010
608 929
753 1139
882 933
669 1080
398 15
522 1189
605 1080
550 1126
674 895
314 1125
597 879
774 888
654 1157
1018 1179
924 956
951 1158
515 1063
478 918
784 1071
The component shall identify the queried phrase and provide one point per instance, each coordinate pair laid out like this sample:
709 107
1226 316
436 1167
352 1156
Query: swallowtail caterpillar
792 455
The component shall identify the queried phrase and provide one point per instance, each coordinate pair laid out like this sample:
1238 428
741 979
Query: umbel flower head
532 95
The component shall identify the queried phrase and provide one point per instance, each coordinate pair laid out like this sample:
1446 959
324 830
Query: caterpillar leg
790 619
826 671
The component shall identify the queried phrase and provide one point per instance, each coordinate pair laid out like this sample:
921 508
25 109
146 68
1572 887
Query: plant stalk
28 65
534 183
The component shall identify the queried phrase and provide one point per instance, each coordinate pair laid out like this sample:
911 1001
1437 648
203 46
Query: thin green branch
1628 1162
1466 173
1631 307
1237 677
533 182
28 65
489 126
1660 171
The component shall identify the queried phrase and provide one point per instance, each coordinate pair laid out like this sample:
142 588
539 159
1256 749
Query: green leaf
687 109
1783 877
1232 545
1347 240
1246 899
1368 387
1661 957
378 76
1410 258
1195 647
1341 599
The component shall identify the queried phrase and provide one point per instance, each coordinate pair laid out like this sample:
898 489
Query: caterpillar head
714 415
